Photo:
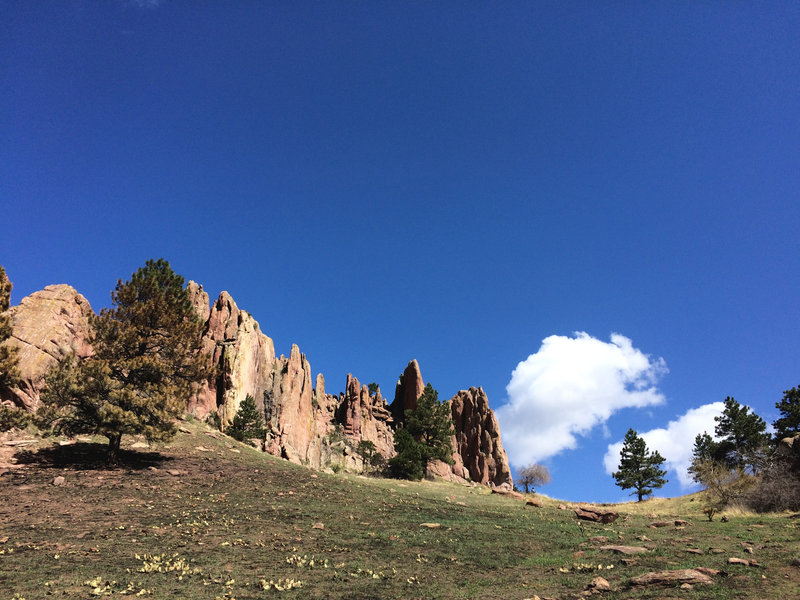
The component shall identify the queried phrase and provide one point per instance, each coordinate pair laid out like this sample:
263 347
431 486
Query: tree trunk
113 448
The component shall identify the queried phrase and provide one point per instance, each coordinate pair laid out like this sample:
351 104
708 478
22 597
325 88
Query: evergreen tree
742 436
789 407
705 450
248 423
366 450
424 436
407 463
9 373
638 467
147 359
431 425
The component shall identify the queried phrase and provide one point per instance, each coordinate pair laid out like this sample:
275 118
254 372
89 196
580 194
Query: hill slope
206 517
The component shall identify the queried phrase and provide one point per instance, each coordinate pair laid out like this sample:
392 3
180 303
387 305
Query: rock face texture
243 355
408 390
478 451
366 417
789 449
47 326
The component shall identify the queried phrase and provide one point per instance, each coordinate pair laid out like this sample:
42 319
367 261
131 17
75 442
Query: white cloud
675 442
571 385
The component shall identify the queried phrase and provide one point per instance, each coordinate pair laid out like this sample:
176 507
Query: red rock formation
477 449
243 355
407 391
365 417
47 326
305 424
292 433
478 453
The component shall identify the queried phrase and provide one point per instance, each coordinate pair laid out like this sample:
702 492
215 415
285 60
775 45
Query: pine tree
9 373
705 450
431 425
742 436
789 406
638 467
147 359
407 463
248 423
424 436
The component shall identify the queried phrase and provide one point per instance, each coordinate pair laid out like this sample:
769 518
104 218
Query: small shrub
12 417
213 420
724 484
408 463
248 424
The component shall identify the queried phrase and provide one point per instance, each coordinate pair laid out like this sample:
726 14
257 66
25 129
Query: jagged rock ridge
304 424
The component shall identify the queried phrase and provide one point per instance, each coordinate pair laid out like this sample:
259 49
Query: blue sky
452 182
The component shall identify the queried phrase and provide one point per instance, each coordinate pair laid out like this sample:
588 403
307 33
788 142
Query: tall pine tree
742 436
424 436
639 469
147 358
789 406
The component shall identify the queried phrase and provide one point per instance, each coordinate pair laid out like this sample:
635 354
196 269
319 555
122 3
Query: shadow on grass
89 456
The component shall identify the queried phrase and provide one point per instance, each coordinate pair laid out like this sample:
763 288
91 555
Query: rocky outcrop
789 450
407 391
304 423
242 354
366 417
47 326
293 431
478 453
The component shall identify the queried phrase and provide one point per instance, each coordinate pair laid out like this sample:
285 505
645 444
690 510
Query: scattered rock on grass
431 525
625 549
599 584
593 514
743 561
508 493
655 524
672 577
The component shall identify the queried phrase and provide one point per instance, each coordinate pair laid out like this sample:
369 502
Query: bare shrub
532 476
778 488
723 484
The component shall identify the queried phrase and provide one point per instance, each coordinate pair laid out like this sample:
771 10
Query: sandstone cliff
47 326
304 423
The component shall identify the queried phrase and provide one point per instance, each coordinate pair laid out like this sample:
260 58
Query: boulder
625 549
46 326
672 577
588 513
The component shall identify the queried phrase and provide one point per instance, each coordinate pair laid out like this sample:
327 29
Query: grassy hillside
206 517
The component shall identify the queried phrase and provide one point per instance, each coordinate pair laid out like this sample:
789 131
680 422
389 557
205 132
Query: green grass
232 522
